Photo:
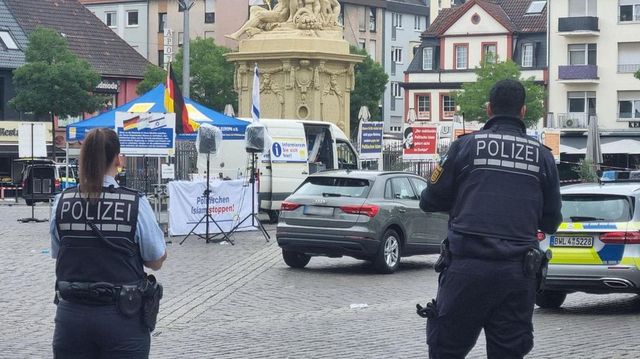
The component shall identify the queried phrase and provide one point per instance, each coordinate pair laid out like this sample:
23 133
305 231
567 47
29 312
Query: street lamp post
185 6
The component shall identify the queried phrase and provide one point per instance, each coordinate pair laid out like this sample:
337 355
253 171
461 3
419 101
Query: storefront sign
146 134
420 142
9 131
108 86
370 140
168 46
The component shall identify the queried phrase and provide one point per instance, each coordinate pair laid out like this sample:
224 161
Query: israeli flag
255 106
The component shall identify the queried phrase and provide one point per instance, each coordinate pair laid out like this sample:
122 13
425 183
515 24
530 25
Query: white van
297 149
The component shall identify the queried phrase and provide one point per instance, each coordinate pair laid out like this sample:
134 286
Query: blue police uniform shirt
149 236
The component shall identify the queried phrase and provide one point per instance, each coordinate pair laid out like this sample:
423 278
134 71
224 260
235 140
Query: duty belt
90 293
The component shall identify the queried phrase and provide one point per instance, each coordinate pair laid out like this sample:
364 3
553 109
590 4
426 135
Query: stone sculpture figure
291 15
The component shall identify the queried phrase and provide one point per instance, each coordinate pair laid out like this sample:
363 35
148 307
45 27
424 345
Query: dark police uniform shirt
499 187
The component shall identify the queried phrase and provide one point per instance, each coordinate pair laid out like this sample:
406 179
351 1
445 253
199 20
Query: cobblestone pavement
242 301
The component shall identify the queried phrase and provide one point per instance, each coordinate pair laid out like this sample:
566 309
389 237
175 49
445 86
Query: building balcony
571 120
578 74
628 68
578 26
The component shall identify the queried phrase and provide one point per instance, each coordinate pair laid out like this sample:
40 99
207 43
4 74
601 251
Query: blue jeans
83 331
476 294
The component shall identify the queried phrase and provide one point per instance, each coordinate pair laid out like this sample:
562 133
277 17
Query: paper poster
146 134
31 140
420 142
289 149
370 140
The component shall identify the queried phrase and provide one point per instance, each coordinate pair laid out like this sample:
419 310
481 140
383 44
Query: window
362 22
427 58
423 104
581 102
628 57
161 58
490 52
348 187
363 44
7 41
162 21
604 207
629 10
132 18
401 189
372 19
372 48
582 54
536 7
209 11
629 105
527 55
418 184
347 159
396 55
418 22
111 19
461 60
396 90
582 8
396 20
448 107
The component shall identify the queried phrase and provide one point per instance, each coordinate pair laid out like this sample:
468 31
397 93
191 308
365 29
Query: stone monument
306 70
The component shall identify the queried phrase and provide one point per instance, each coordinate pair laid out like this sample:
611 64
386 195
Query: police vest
500 190
83 255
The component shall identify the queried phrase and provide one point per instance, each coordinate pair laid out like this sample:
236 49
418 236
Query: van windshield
334 187
596 208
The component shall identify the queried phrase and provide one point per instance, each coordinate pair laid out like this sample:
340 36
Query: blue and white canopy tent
153 101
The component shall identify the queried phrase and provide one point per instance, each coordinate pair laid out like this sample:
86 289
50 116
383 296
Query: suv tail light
621 238
366 209
289 206
57 183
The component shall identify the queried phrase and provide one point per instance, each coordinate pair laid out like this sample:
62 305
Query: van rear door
286 166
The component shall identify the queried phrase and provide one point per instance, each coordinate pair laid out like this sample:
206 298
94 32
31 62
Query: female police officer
101 236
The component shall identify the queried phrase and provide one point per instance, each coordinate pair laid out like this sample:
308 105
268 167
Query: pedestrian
102 237
499 187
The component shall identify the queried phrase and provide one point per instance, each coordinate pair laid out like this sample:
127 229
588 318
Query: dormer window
7 40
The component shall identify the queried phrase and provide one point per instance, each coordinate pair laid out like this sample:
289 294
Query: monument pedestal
301 77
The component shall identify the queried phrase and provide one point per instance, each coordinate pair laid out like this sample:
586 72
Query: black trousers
475 294
83 331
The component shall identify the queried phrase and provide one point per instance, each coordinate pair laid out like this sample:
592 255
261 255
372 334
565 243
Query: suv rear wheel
295 259
388 257
550 299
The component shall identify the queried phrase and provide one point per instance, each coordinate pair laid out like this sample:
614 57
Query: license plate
318 211
577 241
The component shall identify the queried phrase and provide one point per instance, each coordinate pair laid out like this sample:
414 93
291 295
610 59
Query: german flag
131 124
174 102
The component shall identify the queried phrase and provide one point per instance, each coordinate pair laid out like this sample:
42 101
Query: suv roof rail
619 176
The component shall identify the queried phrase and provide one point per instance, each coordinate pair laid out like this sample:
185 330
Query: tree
474 96
54 80
637 74
371 81
211 74
153 76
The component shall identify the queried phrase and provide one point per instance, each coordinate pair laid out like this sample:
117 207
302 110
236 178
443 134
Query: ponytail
100 148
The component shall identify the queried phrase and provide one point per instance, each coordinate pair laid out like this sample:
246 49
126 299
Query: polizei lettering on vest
507 151
104 210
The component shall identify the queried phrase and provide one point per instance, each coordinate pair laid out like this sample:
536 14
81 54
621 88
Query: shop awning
609 145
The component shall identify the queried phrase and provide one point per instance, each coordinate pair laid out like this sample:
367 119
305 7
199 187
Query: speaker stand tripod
255 221
207 218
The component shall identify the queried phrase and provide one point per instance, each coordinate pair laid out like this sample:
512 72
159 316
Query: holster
129 300
151 295
445 257
535 265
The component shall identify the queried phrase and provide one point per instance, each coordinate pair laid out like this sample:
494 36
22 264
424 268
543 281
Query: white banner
229 203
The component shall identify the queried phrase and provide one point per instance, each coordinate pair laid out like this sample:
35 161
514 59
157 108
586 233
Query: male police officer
499 187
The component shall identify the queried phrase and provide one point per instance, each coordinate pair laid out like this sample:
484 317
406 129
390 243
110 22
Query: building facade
127 18
363 23
594 53
459 39
210 19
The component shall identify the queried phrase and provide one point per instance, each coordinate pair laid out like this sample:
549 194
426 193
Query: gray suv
367 215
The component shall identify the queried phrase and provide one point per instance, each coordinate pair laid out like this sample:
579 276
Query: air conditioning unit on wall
570 123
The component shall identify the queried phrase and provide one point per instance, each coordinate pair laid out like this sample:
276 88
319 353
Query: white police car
597 246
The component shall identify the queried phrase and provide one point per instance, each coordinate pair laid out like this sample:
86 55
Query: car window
419 185
596 208
347 159
388 192
334 187
402 188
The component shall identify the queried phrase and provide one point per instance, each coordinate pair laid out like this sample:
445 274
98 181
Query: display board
146 134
